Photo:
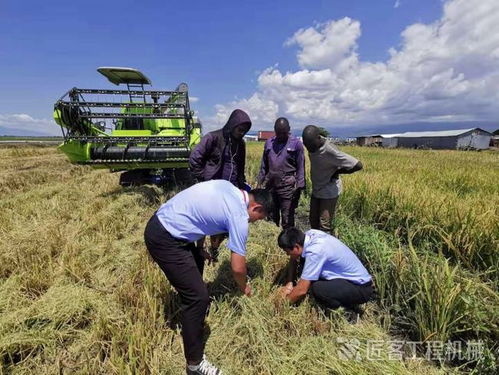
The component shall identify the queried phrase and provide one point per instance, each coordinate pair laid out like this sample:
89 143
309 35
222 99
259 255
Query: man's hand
355 168
286 290
299 291
247 290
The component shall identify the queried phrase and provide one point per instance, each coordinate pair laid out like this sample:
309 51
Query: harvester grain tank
148 134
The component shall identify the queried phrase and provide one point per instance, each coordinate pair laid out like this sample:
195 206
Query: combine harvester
146 134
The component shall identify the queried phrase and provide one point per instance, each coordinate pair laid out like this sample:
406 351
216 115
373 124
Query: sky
354 67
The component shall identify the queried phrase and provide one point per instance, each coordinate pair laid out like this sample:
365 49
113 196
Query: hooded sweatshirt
219 155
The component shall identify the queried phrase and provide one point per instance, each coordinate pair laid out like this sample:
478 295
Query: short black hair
290 237
263 197
281 123
310 132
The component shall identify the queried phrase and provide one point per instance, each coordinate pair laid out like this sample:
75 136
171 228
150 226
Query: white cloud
397 4
24 124
193 99
259 110
329 45
447 70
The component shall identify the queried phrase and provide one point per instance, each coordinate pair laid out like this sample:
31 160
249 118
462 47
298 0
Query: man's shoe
204 368
354 314
352 317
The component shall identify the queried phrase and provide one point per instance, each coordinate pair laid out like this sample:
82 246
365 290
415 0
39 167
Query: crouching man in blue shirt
204 209
332 272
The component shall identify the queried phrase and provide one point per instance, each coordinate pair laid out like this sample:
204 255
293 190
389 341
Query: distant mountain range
27 133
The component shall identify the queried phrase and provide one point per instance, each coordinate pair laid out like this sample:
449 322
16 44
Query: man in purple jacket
221 153
283 171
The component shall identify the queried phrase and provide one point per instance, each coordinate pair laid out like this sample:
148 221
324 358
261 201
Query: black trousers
285 203
183 265
340 292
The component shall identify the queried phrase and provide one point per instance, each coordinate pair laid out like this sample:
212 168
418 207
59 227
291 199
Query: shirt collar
306 242
274 141
245 197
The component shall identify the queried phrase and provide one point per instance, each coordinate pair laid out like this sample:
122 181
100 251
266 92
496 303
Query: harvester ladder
133 90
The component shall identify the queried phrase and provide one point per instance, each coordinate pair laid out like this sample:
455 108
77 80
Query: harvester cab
145 133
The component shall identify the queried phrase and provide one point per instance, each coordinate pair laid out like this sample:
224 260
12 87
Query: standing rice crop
79 294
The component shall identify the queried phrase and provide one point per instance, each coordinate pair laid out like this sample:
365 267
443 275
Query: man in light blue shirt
205 209
332 272
209 208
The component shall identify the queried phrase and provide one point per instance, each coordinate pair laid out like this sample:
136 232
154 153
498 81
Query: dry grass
78 293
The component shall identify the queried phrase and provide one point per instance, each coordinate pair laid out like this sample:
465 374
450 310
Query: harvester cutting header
149 134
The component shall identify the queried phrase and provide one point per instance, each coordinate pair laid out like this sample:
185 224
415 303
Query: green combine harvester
144 133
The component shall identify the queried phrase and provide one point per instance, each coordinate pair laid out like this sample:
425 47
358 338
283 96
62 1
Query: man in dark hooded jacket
221 153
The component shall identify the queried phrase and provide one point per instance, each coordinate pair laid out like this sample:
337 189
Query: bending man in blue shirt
207 208
332 272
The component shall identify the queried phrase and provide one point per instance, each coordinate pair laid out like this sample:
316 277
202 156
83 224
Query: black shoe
354 314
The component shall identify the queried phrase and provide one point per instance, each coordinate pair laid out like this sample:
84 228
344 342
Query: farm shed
475 138
350 140
389 140
369 140
494 141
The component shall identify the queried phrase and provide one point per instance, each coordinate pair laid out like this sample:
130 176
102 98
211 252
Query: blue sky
226 51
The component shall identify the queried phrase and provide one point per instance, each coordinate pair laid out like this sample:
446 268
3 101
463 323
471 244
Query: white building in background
389 140
250 138
463 139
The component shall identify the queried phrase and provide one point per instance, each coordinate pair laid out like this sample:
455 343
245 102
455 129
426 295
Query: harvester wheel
183 177
180 178
135 177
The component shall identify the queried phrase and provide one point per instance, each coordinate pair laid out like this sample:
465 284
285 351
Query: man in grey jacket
326 165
